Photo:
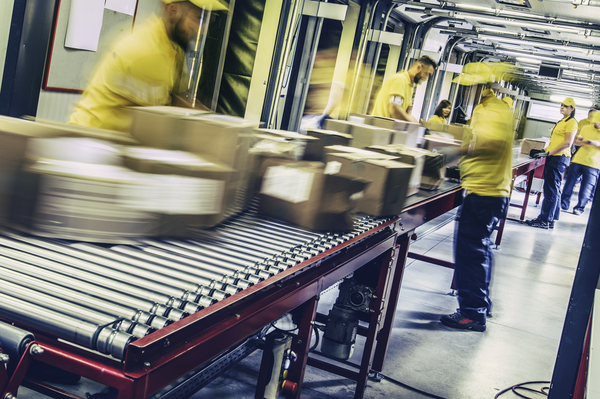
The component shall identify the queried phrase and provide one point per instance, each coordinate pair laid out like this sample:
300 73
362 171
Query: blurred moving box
327 138
339 125
404 132
360 118
389 181
187 190
307 147
366 135
15 135
429 166
368 154
300 192
76 189
226 139
532 144
436 144
455 130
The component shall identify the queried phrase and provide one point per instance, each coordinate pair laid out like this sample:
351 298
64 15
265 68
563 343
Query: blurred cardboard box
458 131
404 132
389 181
361 118
307 147
359 151
79 201
301 193
532 144
338 125
327 138
434 127
189 190
429 165
15 135
365 136
435 144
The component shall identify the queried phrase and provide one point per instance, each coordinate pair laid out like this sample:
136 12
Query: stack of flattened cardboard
300 192
429 166
389 180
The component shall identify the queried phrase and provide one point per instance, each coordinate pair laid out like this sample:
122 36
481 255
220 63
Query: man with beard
145 69
395 97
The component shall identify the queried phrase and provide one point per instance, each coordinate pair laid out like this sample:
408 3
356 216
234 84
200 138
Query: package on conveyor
327 138
403 132
306 147
77 188
454 131
15 134
436 144
227 139
389 181
187 190
429 166
339 125
360 151
532 144
302 193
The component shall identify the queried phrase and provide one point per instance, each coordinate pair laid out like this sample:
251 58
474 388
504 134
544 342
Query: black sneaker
577 211
542 224
551 224
457 320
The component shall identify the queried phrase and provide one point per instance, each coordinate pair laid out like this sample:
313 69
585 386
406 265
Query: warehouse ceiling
555 43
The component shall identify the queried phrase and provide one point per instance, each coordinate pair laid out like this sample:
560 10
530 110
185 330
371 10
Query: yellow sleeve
571 126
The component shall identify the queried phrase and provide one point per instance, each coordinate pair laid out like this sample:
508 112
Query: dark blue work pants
589 178
553 173
473 257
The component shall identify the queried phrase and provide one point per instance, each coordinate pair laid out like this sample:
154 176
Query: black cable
514 388
405 386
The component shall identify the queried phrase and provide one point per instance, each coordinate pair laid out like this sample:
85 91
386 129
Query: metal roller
171 267
213 258
70 309
128 276
13 340
96 303
121 286
203 286
244 279
214 238
247 231
159 256
98 337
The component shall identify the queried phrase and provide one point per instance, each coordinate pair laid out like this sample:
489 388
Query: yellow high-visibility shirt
142 70
488 170
398 85
588 155
583 123
557 137
438 119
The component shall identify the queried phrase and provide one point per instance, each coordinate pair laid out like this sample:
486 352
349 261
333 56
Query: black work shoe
457 320
551 224
542 224
577 211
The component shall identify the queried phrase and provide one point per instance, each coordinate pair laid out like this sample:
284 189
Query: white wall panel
6 10
56 105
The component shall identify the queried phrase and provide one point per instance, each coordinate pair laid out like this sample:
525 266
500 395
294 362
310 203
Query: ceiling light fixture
534 44
474 7
562 29
548 59
529 60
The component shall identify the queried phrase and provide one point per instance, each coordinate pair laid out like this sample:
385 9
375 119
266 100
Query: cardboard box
15 135
434 127
367 154
532 144
327 138
404 132
338 125
389 181
361 118
458 132
432 169
365 136
188 190
80 201
301 193
307 147
434 144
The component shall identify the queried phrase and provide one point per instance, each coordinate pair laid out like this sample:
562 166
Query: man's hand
542 154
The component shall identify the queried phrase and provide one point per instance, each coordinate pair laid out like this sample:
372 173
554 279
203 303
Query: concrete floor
531 284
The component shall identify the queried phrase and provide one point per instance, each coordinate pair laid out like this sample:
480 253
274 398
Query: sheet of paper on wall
122 6
85 23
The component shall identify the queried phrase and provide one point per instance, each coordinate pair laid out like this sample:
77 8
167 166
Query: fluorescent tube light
529 60
563 29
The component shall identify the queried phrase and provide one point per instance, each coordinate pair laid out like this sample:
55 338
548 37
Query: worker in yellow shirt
441 113
145 69
585 164
585 122
394 100
558 157
486 173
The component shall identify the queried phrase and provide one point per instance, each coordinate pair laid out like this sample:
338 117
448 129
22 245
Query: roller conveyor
204 296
